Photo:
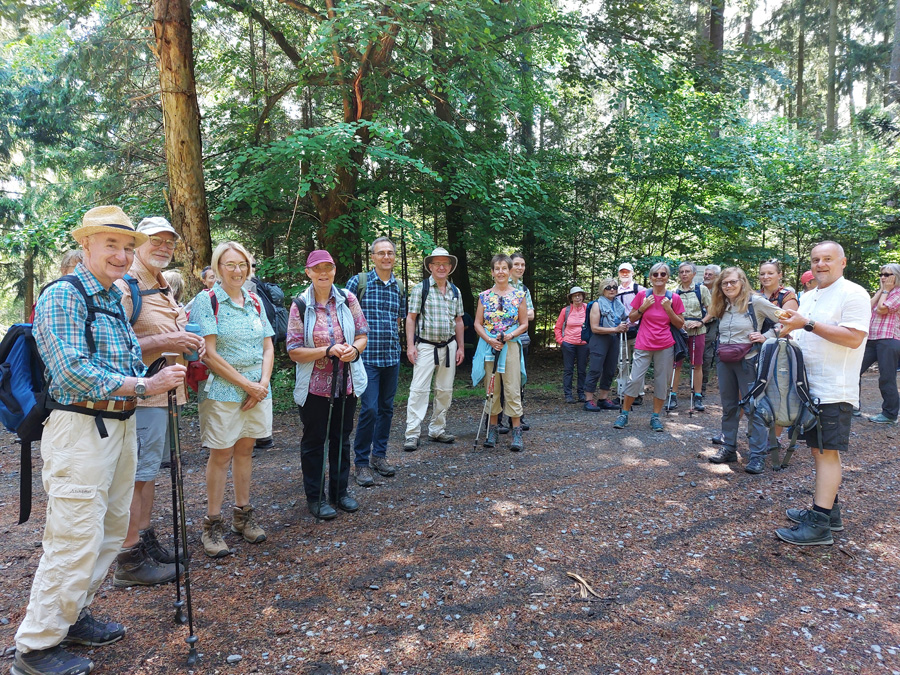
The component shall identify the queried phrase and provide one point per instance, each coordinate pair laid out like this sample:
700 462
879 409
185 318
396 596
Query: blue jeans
376 412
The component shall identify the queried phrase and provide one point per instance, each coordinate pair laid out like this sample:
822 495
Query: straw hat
441 252
110 219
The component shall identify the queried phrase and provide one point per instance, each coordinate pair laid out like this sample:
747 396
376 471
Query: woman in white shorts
236 406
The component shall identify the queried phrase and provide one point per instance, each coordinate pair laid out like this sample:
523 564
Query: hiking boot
724 455
490 440
881 418
92 633
698 403
605 404
639 400
264 443
501 427
756 465
380 464
621 421
581 398
516 445
718 440
213 537
590 406
569 399
243 522
364 477
672 403
656 423
442 437
321 510
812 530
835 523
52 661
346 503
135 567
523 423
411 444
156 550
857 412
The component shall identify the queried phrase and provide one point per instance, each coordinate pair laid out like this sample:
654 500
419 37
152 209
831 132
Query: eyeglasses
886 274
611 288
231 267
321 268
440 264
731 282
659 275
159 241
384 254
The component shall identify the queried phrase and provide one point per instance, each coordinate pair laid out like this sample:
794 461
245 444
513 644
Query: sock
820 509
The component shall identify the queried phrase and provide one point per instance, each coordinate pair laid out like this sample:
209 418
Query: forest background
583 134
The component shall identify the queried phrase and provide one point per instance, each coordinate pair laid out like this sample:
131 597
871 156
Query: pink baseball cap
806 277
319 256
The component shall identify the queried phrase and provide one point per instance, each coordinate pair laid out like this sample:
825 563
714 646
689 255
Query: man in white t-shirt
832 323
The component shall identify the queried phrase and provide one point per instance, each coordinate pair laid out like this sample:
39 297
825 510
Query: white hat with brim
574 290
155 225
440 252
626 266
110 220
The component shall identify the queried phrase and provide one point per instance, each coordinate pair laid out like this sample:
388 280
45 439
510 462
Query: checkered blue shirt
383 305
75 374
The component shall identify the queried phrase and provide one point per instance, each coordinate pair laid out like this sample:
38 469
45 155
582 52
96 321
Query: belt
438 345
109 406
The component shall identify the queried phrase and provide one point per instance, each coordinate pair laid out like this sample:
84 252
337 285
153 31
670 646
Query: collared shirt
382 304
327 331
519 286
159 314
887 326
626 294
692 308
59 330
438 322
240 334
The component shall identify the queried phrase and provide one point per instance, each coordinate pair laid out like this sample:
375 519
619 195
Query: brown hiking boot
243 522
213 537
134 567
156 550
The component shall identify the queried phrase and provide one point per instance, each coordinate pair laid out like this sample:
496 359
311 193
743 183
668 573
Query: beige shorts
223 423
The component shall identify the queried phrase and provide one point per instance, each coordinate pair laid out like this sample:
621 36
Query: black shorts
835 420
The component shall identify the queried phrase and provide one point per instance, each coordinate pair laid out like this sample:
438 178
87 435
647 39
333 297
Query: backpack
301 303
780 396
699 299
24 403
586 331
272 298
425 288
678 334
768 324
137 296
362 279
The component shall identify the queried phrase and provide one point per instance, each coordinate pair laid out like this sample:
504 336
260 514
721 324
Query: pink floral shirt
887 326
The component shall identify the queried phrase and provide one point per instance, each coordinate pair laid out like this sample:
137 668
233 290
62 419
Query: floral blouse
501 312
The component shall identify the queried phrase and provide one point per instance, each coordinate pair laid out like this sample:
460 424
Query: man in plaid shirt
383 301
88 446
434 345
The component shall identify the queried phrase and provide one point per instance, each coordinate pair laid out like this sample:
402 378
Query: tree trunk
801 57
893 91
717 30
184 150
831 100
28 279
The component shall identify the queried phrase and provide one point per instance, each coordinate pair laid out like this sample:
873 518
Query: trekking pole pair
624 369
335 365
485 420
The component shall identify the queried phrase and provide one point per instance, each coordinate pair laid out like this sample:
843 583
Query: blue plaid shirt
59 322
383 305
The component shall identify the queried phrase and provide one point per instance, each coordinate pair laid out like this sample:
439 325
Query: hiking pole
327 449
691 409
623 366
341 436
179 519
488 401
671 388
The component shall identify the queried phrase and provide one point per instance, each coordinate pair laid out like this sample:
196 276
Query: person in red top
574 349
883 345
658 311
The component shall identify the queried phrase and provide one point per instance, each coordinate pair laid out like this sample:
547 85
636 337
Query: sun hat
110 219
806 277
574 290
155 225
626 266
441 252
319 256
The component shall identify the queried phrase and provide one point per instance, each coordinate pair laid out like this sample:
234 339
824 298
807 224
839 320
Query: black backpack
272 298
425 288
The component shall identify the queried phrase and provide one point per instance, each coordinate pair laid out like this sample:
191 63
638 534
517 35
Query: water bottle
195 329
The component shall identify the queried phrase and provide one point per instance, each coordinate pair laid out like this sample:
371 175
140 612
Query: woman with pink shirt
883 345
574 349
658 311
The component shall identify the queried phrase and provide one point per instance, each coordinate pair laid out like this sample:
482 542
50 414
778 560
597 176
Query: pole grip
171 358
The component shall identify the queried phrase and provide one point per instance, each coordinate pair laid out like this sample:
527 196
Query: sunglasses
886 274
659 275
611 288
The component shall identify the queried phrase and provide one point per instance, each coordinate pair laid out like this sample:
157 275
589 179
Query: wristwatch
140 389
810 325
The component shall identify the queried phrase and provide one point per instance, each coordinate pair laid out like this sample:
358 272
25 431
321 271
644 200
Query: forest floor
458 564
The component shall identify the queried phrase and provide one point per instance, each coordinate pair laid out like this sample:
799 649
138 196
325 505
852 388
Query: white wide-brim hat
574 290
440 252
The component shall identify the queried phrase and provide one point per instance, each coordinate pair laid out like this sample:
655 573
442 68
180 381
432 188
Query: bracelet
328 351
357 353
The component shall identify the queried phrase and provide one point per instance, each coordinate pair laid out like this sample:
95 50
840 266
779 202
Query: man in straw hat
434 345
89 445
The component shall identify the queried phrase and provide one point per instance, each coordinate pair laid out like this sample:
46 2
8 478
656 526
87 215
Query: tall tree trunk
831 100
893 92
28 279
717 30
184 149
801 58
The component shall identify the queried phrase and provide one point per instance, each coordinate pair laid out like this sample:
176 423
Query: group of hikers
107 433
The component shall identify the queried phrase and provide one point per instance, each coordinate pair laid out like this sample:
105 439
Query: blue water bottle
195 329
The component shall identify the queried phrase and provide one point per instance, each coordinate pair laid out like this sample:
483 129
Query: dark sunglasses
886 274
659 274
610 288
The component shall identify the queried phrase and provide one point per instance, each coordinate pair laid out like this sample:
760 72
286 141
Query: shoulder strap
752 315
92 310
700 300
137 296
361 280
214 303
301 306
566 319
781 295
256 303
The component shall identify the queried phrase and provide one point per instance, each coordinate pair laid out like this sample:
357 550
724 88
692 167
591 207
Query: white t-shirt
833 370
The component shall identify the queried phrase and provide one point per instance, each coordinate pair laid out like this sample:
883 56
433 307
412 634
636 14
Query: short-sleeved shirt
692 308
887 326
59 330
519 286
655 332
568 329
626 295
833 370
160 313
382 303
240 336
326 332
438 322
501 312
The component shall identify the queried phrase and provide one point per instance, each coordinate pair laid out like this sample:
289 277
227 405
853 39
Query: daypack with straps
24 402
768 324
780 396
699 294
362 280
425 288
137 296
272 298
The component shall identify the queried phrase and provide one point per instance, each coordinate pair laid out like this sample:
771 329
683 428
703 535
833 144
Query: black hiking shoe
755 466
813 530
321 510
724 455
698 403
156 550
52 661
836 523
92 633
